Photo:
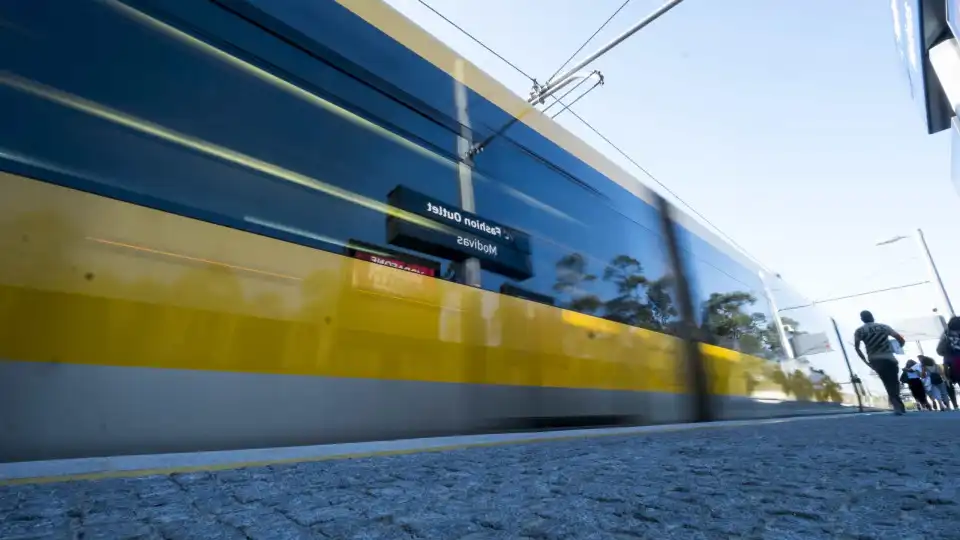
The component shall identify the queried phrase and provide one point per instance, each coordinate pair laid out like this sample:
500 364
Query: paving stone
120 531
24 530
857 477
204 529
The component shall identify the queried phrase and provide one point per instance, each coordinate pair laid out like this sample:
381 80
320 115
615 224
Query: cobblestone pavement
864 477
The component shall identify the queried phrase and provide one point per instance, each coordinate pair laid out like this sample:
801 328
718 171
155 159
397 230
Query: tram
250 223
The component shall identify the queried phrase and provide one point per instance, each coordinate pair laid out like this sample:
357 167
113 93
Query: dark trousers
919 393
889 373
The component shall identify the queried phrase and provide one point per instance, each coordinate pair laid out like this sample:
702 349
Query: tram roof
394 24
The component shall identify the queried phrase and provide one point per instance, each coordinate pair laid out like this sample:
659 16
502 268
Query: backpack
935 378
953 343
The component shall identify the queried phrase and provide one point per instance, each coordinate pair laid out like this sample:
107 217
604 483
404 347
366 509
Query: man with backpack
880 358
949 349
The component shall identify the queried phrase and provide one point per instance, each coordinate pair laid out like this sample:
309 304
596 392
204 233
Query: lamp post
931 267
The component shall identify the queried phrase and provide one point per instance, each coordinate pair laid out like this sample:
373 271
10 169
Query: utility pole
854 379
935 273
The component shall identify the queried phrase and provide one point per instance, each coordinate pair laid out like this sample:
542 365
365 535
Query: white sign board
925 328
808 344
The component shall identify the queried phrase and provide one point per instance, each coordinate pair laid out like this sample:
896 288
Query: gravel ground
875 476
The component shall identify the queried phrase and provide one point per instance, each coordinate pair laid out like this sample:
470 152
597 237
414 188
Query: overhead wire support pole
854 379
935 273
549 88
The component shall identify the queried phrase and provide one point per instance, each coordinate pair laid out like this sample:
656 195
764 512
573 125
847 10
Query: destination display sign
400 261
431 208
394 263
458 246
381 276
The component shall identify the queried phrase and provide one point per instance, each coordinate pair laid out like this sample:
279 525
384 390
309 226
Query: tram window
254 153
587 255
235 149
806 320
734 314
331 24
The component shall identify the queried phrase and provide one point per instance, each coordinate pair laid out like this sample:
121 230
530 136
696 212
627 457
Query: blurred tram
256 223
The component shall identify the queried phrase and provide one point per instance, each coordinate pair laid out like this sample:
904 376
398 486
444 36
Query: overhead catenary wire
559 100
856 295
578 98
650 175
896 263
589 39
478 41
626 156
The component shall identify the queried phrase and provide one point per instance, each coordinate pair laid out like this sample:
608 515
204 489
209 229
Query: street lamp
931 266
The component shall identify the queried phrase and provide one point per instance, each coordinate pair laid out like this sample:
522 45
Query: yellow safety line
385 453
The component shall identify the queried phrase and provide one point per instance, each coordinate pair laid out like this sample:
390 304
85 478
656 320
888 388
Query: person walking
879 356
914 375
938 388
949 349
951 391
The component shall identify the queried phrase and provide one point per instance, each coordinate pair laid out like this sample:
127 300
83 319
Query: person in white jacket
913 376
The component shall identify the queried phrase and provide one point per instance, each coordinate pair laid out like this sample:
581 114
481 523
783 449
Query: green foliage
728 319
572 279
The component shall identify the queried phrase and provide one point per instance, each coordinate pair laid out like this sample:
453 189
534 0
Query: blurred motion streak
211 149
192 259
204 254
315 100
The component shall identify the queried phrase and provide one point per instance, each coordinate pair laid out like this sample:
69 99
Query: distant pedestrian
949 377
949 347
951 391
937 389
880 358
914 375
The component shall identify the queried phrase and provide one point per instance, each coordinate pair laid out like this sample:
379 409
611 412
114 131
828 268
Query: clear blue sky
788 124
